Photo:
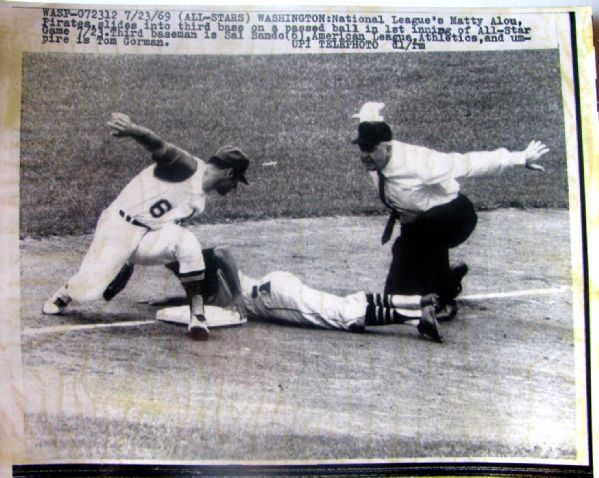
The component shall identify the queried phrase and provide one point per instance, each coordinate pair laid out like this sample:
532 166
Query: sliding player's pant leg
113 243
330 311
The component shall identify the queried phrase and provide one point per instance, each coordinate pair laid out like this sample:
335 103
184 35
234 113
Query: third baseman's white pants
169 244
116 241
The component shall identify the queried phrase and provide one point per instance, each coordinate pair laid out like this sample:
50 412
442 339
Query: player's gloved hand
430 299
533 153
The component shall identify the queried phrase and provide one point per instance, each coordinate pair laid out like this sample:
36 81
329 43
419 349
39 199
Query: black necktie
392 217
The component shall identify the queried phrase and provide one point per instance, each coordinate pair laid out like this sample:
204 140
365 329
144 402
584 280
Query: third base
215 316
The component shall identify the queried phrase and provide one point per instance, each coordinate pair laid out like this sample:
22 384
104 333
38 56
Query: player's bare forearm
227 264
148 139
122 126
163 153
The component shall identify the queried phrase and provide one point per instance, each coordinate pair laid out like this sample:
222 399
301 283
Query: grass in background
294 110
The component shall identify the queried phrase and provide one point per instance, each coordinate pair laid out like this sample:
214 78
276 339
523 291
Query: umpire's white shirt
418 178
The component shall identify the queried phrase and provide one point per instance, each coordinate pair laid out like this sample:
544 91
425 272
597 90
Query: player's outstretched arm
176 163
533 153
121 126
227 263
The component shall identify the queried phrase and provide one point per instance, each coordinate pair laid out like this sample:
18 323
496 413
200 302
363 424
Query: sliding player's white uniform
282 296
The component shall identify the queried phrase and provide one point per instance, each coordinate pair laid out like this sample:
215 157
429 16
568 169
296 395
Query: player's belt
263 288
132 220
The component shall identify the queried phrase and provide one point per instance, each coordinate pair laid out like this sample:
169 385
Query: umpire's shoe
198 327
456 274
428 324
449 309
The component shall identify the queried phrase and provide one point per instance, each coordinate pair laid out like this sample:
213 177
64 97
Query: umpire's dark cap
371 133
232 157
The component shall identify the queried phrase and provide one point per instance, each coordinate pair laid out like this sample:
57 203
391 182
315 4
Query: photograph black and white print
314 248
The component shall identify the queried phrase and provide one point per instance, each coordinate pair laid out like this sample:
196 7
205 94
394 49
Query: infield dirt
502 385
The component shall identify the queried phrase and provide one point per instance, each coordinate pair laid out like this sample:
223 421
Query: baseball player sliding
142 225
282 297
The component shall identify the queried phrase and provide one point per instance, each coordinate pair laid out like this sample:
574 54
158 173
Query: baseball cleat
428 324
198 328
430 299
56 304
447 311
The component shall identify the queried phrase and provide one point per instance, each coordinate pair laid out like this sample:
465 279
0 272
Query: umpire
419 187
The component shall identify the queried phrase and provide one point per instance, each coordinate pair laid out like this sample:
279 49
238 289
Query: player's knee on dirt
85 289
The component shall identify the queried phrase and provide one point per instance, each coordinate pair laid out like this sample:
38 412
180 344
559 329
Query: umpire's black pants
420 262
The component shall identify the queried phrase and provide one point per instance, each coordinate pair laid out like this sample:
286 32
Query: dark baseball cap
371 133
233 157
